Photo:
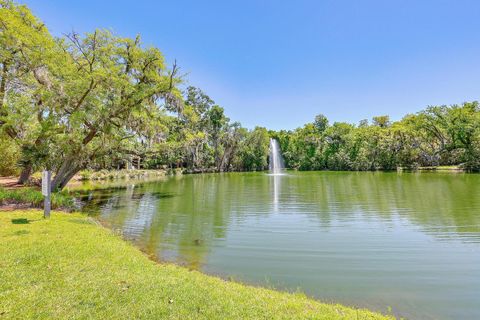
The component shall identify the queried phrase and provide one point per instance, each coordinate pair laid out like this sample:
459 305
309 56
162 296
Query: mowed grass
69 267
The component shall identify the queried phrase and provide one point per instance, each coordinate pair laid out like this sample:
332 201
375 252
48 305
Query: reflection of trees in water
433 201
180 218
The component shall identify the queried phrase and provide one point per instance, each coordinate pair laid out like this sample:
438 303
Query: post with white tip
46 192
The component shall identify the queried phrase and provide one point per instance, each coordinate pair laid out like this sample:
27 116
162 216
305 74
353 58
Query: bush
34 198
120 174
85 175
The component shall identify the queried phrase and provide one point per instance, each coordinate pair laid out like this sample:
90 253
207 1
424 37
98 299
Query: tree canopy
99 100
438 135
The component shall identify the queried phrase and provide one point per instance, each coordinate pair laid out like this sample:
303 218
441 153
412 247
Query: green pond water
405 243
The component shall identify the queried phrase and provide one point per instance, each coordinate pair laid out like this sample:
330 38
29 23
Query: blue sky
279 63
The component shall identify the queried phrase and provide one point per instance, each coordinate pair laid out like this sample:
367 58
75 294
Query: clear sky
279 63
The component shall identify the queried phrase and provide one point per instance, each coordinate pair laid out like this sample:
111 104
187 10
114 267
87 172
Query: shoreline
72 241
29 196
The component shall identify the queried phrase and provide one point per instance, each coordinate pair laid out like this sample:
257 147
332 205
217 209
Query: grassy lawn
68 267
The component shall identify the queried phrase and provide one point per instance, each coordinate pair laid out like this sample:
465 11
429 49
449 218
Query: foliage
34 198
119 174
95 274
99 101
201 138
10 155
254 150
438 135
79 98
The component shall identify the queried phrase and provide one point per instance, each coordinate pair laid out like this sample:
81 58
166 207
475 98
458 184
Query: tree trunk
60 182
25 174
28 162
3 84
64 174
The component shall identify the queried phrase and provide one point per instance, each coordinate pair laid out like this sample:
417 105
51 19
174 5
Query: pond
401 243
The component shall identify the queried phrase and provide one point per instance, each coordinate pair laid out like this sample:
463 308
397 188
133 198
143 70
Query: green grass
33 197
449 168
120 174
69 267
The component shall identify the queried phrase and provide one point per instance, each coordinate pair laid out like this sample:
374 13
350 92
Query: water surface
405 242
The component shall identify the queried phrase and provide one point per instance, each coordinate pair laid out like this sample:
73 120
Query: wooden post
47 193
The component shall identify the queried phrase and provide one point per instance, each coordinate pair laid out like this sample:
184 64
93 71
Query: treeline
201 138
101 101
438 135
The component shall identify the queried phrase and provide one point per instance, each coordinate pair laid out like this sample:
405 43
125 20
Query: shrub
34 198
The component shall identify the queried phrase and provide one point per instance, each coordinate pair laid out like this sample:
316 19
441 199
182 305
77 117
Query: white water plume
276 160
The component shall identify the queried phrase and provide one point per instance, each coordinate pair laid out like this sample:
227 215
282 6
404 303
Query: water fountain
276 161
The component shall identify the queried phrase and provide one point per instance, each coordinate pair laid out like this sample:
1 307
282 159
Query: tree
231 141
197 99
381 121
216 123
435 136
97 100
27 50
254 150
464 130
72 101
321 123
118 85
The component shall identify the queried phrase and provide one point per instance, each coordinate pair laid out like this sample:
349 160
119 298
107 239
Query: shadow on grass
20 221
